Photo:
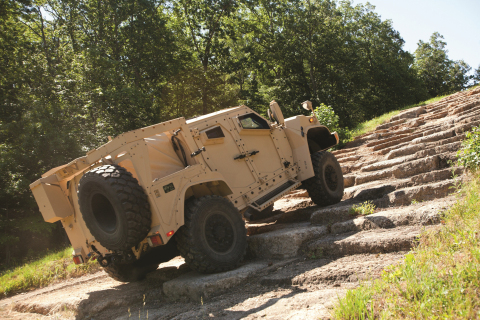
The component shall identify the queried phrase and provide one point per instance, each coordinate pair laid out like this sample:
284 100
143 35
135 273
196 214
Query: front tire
326 187
213 238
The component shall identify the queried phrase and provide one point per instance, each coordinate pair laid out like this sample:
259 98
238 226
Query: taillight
155 240
169 234
78 259
336 137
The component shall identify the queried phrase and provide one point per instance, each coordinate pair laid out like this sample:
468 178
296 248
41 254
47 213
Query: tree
476 76
439 74
207 25
336 54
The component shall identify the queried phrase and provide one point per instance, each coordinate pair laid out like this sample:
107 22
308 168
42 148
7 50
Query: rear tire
326 187
213 238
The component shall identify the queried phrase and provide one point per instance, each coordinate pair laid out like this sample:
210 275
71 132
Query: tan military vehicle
181 187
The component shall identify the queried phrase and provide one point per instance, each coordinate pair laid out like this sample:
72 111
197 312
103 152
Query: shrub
327 117
469 155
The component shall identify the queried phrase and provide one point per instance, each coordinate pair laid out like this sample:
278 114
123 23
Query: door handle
239 157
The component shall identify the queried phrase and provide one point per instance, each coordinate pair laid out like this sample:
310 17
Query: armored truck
186 187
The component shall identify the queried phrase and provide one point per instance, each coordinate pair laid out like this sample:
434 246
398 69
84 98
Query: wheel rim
219 233
104 213
331 178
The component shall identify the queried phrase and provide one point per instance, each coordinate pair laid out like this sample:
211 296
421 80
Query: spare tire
114 207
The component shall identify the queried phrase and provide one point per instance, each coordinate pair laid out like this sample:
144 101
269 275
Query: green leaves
439 74
469 155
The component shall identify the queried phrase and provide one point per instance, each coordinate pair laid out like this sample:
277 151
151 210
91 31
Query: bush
327 117
469 155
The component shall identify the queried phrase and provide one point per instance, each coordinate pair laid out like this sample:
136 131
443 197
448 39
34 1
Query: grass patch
44 271
440 279
363 209
370 125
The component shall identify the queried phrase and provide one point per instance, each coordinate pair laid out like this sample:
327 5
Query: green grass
44 271
440 279
363 209
370 125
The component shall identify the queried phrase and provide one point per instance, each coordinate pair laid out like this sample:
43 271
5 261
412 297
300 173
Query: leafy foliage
469 155
439 74
73 73
327 117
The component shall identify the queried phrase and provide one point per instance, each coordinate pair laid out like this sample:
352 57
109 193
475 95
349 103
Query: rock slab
201 287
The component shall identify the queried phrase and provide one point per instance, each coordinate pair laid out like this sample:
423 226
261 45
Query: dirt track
303 258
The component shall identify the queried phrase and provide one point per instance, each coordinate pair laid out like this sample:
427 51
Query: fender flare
319 138
217 182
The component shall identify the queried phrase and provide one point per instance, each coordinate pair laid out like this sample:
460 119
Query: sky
457 20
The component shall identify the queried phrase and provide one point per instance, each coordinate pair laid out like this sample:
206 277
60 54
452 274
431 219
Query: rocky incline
304 257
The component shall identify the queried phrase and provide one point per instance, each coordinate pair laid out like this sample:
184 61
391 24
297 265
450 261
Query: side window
253 121
215 133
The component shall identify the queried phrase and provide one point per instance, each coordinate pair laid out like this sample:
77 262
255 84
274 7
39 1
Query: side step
275 194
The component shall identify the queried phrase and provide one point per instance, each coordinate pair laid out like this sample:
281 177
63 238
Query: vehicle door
263 145
221 155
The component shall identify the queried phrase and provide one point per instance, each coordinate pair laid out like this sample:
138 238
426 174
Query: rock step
436 158
397 141
424 131
199 287
465 106
348 159
401 191
409 113
434 136
427 213
412 149
367 242
284 243
345 150
435 115
331 271
429 191
381 141
345 155
390 124
468 114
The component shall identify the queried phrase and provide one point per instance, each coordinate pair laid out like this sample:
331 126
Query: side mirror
276 113
307 105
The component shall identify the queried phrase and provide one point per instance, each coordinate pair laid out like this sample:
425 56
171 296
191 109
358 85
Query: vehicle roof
213 114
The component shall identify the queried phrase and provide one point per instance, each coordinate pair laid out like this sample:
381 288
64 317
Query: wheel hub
219 233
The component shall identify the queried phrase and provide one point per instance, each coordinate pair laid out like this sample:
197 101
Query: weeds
363 209
438 280
469 155
52 267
